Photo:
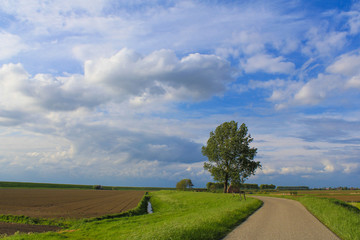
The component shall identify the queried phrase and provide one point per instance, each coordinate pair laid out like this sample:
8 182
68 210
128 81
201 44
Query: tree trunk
226 184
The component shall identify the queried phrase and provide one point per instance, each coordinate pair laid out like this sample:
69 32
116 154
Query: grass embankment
73 186
177 215
356 204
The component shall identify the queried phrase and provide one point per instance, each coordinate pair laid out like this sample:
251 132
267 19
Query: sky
125 93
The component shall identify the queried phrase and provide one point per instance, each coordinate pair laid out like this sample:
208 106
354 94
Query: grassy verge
342 218
177 215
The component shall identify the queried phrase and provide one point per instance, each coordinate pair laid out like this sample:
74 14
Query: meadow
177 215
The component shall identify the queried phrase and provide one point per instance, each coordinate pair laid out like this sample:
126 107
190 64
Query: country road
281 219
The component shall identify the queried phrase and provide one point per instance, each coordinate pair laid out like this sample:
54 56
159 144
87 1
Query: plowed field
56 203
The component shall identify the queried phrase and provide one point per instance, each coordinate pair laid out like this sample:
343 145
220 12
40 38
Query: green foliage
229 154
247 186
177 215
292 188
184 184
267 186
97 187
342 218
214 187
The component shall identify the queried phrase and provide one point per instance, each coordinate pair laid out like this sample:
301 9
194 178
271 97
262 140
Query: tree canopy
184 184
230 157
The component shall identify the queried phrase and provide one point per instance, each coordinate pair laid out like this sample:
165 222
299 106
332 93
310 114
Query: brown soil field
61 203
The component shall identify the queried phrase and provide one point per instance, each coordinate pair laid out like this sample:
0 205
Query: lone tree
184 184
231 159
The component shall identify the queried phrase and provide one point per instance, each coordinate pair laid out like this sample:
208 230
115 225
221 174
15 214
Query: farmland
65 203
343 195
177 215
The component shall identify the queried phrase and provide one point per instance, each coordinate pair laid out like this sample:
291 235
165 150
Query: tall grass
177 215
342 218
356 204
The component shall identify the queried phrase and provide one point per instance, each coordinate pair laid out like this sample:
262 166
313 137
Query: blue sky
125 93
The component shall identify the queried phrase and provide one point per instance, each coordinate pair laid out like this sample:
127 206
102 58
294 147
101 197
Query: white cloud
350 167
354 21
324 43
127 74
268 64
318 89
347 64
328 166
10 45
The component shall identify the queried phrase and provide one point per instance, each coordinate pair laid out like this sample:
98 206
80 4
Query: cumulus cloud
348 65
21 92
127 73
268 64
317 89
10 45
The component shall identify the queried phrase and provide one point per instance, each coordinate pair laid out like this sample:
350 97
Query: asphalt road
281 219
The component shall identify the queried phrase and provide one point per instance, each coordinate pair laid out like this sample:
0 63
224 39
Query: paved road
281 219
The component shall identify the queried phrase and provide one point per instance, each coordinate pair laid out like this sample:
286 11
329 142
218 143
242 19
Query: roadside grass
342 218
177 215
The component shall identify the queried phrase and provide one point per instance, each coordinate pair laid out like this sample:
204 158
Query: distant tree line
267 186
215 187
292 188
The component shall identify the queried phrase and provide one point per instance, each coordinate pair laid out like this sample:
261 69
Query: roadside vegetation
342 218
177 215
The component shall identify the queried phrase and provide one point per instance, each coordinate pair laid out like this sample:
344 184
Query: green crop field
177 215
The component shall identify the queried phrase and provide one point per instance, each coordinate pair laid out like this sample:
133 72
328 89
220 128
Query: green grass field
177 215
342 218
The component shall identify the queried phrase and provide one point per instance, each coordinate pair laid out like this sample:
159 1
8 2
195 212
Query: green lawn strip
177 215
342 218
